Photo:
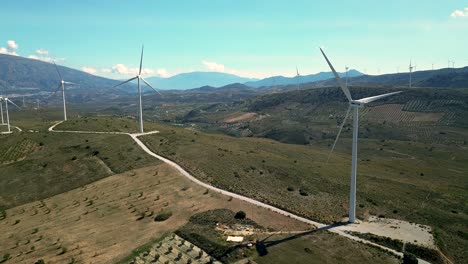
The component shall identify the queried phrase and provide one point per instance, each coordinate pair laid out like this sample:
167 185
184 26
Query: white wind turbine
62 85
411 67
355 105
6 100
138 78
1 109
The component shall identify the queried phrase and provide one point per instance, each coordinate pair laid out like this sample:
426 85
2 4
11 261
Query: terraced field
18 152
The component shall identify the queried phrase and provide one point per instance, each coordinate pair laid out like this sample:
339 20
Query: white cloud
12 44
11 48
162 73
106 70
44 55
122 69
213 66
42 51
89 70
460 13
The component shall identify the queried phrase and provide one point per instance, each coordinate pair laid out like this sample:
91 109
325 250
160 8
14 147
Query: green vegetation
240 215
384 241
39 165
163 216
105 124
139 250
411 173
317 248
409 258
428 254
201 231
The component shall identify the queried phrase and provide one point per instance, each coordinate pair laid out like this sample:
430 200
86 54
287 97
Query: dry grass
98 222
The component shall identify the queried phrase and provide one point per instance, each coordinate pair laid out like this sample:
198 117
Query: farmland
39 165
104 221
299 179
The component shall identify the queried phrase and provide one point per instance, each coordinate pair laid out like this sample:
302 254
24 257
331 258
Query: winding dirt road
340 230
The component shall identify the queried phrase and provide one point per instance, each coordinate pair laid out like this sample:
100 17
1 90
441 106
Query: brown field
243 117
98 222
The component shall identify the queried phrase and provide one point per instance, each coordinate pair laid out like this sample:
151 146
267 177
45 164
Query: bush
409 258
240 215
427 254
163 216
5 258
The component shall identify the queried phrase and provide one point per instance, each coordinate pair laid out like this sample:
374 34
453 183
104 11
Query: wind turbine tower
1 109
139 78
62 85
346 70
355 105
6 100
410 73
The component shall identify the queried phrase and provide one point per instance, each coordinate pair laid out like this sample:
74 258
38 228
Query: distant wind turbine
355 105
6 100
346 69
138 78
1 109
62 85
410 73
297 72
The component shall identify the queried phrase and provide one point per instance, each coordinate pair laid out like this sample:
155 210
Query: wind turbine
138 78
298 84
62 85
6 100
410 73
346 69
355 105
1 109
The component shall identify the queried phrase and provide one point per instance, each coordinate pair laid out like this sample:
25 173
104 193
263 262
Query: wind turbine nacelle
357 104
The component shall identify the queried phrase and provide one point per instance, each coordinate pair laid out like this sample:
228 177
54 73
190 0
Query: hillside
443 78
29 76
191 80
281 80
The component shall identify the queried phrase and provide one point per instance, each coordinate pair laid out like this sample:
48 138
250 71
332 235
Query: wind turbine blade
129 80
13 103
339 132
70 83
338 79
58 71
141 59
150 86
56 90
377 97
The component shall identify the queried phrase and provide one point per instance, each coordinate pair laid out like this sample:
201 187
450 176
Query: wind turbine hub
356 104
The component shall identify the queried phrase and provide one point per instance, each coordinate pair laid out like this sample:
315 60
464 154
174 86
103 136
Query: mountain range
28 76
191 80
281 80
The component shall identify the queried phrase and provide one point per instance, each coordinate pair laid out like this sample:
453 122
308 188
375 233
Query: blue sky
248 38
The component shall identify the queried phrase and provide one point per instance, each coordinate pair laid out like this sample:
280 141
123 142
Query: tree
409 258
240 215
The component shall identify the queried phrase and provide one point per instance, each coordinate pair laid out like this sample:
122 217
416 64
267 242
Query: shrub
240 215
5 257
163 216
409 258
291 189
